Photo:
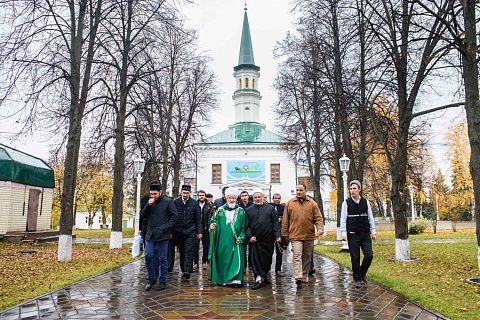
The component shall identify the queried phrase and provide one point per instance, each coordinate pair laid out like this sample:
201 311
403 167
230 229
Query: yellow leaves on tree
459 200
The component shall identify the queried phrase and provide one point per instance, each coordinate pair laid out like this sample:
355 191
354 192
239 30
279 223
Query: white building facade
246 156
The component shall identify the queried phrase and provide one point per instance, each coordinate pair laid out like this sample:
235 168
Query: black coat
205 214
189 218
143 223
219 202
278 208
162 216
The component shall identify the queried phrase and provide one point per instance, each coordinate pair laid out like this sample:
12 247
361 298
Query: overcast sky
219 24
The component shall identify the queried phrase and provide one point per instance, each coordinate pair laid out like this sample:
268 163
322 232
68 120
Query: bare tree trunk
77 106
472 104
118 177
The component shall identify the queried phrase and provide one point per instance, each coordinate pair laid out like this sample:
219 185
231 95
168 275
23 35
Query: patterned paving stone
119 294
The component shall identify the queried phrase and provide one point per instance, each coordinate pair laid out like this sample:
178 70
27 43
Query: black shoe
161 286
186 275
298 282
150 284
257 285
170 270
364 279
312 271
267 281
357 284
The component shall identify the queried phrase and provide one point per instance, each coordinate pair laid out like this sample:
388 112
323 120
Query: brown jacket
300 219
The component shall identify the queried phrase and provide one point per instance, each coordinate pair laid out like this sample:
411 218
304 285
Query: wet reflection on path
119 294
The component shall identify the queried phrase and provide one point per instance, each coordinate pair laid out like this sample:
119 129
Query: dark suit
188 226
205 217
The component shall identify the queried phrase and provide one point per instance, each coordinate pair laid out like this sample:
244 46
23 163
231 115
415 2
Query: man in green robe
227 242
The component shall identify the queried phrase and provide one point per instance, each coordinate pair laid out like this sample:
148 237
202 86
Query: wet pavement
119 294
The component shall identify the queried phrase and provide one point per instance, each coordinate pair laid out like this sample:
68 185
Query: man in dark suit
279 247
187 229
205 207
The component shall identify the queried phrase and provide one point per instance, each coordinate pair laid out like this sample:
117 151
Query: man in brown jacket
300 218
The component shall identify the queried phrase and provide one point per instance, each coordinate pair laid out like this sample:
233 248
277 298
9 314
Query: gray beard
232 205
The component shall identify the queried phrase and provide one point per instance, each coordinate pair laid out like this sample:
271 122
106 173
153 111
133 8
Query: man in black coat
280 246
205 207
187 228
162 216
262 230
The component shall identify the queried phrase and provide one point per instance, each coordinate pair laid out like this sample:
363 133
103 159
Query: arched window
240 83
253 83
246 83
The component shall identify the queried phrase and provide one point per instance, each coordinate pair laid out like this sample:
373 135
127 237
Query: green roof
245 58
17 166
244 133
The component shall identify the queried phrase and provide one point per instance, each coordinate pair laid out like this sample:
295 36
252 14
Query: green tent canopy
17 166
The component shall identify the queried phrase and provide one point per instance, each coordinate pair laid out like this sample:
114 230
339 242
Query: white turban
257 190
231 191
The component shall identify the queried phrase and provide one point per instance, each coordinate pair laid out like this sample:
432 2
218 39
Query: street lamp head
411 188
344 163
139 165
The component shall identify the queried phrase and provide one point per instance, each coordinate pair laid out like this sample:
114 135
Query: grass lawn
437 281
28 275
102 233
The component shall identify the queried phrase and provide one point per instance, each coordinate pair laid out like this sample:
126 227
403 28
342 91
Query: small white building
26 192
82 217
246 156
82 223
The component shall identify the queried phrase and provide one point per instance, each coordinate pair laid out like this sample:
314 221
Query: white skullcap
231 191
257 190
357 183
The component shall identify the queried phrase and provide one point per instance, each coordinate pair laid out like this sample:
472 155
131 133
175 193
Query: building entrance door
32 213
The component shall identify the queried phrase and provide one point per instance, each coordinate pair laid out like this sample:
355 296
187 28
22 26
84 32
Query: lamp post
411 189
344 166
139 165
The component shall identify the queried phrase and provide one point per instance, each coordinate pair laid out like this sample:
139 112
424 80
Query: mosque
246 156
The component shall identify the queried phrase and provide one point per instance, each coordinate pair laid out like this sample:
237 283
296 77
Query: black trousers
205 248
186 246
278 257
357 241
172 246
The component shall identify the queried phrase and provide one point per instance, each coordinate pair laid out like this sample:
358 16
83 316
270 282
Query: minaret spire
246 97
245 57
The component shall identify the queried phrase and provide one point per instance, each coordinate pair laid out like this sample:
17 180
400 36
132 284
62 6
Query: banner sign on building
251 170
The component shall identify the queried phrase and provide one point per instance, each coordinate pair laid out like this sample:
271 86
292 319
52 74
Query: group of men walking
233 223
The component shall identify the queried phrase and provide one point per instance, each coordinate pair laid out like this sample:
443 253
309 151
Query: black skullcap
209 195
156 186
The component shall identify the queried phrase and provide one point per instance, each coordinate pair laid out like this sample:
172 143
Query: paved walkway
119 294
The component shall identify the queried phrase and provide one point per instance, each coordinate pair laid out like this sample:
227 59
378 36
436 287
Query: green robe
226 256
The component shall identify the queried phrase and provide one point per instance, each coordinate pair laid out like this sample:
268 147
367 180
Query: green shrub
418 226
